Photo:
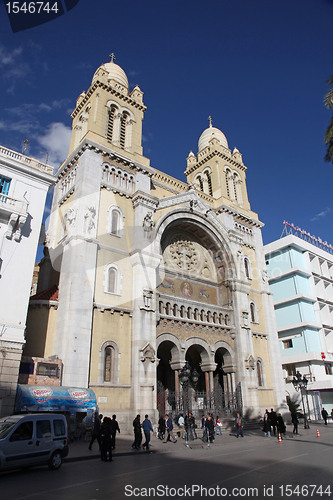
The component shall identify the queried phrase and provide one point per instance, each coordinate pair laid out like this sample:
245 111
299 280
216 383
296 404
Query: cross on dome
210 121
113 57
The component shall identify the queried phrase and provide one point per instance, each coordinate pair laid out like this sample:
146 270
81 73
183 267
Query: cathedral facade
153 272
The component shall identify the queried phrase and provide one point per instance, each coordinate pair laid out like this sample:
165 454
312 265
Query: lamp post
299 384
184 378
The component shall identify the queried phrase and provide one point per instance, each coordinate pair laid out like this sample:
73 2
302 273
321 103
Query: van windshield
5 428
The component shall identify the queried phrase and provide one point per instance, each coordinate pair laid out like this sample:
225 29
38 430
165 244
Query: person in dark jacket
191 423
147 429
280 424
137 433
161 427
169 429
273 419
115 428
294 420
324 414
106 442
210 427
267 424
96 433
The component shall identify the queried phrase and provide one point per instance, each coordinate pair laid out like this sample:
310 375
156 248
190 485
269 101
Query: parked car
33 439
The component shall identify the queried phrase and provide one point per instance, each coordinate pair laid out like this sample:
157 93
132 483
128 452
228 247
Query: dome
212 133
114 73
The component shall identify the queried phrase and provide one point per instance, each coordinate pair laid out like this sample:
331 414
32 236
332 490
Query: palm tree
328 100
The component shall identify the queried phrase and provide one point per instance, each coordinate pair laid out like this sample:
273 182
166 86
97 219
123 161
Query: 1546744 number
32 7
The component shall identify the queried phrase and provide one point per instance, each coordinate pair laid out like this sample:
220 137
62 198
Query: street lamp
299 384
184 378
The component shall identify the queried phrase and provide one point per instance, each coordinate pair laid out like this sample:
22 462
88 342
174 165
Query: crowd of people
105 429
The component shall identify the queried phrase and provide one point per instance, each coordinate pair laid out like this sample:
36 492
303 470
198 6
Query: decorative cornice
110 90
145 199
239 215
211 155
110 153
113 309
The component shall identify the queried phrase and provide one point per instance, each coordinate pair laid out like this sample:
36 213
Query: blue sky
257 67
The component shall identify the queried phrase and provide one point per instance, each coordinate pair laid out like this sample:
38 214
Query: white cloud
321 214
7 58
56 142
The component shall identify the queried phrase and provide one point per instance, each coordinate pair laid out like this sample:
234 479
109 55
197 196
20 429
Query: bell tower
216 171
108 113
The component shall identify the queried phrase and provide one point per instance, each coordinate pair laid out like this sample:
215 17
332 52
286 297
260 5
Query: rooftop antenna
113 57
25 144
47 155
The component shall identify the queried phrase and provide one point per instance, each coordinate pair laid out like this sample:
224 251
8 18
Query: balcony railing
9 204
26 160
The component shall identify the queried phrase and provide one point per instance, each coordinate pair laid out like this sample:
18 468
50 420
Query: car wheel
55 461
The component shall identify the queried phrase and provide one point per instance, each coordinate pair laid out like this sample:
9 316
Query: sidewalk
79 449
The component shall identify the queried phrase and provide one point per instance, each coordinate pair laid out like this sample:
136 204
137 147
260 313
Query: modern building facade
150 272
24 183
300 269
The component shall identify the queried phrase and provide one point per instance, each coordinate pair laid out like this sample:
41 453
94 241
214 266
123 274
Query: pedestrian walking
96 432
239 424
210 428
169 429
161 427
137 433
281 428
218 425
294 420
115 428
324 414
181 423
147 429
191 423
273 419
267 424
106 443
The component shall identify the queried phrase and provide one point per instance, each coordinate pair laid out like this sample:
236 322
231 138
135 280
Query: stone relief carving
10 228
89 219
147 353
20 224
148 224
250 362
69 220
148 300
183 253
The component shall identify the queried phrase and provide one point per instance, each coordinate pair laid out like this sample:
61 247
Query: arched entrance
213 389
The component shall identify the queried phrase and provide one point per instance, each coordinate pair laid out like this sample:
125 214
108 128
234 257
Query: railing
12 204
42 167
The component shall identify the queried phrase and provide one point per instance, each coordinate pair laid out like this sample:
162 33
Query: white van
33 439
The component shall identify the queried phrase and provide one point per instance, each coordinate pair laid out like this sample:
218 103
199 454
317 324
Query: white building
24 183
300 268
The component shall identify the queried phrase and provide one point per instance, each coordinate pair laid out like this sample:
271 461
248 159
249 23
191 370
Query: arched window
109 355
253 313
111 115
247 266
112 279
115 221
182 312
208 181
203 315
260 377
123 121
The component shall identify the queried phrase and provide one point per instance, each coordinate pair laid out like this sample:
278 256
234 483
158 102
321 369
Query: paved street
252 467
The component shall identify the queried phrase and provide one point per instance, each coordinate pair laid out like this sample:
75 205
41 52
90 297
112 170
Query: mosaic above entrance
189 290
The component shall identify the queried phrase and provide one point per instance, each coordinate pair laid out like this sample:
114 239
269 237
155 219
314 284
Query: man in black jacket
137 433
115 428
